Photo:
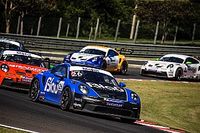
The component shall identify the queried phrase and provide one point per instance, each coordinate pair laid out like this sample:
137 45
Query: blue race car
85 89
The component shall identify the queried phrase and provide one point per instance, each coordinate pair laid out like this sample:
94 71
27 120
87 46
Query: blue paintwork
90 62
55 98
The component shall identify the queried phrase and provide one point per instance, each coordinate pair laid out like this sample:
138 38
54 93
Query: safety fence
58 45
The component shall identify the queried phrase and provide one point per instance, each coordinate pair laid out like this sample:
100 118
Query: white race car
174 66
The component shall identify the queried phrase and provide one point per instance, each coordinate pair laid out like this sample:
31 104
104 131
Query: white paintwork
12 52
189 70
80 68
82 56
10 42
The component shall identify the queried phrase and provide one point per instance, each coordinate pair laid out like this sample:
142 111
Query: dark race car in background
85 89
7 44
99 57
17 68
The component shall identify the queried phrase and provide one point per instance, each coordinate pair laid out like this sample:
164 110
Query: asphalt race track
134 73
17 110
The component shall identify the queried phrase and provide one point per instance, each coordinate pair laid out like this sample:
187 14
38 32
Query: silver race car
174 66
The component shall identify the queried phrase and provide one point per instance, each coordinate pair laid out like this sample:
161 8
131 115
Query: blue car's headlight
134 96
83 89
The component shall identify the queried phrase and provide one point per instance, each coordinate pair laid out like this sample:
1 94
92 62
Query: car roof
177 55
10 42
74 68
102 48
15 52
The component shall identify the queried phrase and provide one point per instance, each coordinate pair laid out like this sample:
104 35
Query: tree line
170 13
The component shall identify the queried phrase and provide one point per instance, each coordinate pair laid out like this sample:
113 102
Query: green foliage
182 13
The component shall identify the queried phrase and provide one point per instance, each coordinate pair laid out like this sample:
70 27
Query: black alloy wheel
124 68
66 99
178 74
34 90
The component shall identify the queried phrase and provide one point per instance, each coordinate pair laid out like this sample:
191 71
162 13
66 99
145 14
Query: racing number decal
51 87
76 74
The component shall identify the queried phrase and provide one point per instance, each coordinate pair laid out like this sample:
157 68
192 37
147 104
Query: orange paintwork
19 73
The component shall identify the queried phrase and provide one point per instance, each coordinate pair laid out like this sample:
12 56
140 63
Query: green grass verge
172 104
8 130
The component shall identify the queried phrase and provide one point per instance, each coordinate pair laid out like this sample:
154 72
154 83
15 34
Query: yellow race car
100 57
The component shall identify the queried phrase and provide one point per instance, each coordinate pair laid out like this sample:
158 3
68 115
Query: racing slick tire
178 74
104 65
124 68
34 90
66 99
142 73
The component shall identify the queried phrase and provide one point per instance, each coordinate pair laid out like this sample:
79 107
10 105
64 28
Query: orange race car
17 68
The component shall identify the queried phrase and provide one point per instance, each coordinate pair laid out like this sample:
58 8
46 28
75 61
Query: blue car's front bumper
100 106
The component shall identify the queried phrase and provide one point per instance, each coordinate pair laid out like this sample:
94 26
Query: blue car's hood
108 91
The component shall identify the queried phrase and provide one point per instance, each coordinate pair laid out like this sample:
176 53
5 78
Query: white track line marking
16 128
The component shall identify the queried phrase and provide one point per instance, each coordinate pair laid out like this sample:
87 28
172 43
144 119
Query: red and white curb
153 125
16 128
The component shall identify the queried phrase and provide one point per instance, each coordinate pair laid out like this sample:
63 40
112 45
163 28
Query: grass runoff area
8 130
173 104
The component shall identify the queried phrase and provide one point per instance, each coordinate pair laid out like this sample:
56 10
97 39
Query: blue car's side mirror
121 84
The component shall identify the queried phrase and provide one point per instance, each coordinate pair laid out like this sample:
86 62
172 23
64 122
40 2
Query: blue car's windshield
172 59
94 77
94 51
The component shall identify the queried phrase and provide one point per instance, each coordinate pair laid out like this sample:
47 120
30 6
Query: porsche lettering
100 86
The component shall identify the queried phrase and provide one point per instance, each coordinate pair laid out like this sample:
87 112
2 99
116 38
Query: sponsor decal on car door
53 88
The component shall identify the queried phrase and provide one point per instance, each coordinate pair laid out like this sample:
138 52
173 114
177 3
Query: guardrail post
117 29
96 29
100 28
78 27
39 24
156 33
136 31
133 27
91 31
22 23
67 32
59 27
175 35
193 33
18 24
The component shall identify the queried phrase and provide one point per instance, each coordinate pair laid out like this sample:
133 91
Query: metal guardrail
42 43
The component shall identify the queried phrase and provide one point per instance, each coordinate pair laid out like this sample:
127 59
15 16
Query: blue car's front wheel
66 99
